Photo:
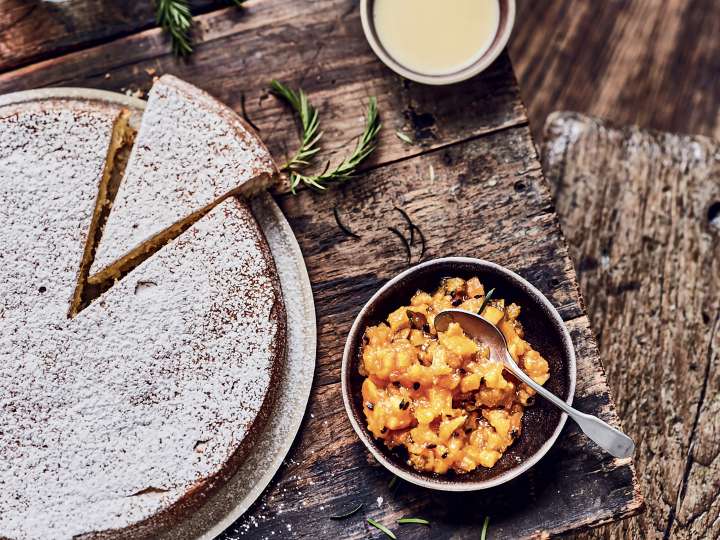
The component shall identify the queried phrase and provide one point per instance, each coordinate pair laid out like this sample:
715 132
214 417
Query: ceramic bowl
544 329
505 26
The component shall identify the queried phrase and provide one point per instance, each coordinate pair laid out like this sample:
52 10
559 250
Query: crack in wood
682 489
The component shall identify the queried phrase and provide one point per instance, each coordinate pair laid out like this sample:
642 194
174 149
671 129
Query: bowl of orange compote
433 407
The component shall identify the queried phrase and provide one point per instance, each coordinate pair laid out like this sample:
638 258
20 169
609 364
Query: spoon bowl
608 438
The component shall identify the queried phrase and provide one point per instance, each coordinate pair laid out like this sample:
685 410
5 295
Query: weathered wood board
483 186
643 62
473 169
33 30
641 211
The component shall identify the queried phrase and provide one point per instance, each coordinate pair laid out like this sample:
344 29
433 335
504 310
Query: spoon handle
605 436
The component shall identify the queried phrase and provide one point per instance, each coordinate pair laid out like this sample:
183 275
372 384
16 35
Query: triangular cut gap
121 142
100 282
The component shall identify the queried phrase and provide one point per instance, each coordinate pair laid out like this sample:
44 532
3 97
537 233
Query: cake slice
55 156
191 152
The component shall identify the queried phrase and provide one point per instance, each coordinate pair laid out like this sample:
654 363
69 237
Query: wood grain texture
646 62
474 141
317 45
641 211
31 30
492 188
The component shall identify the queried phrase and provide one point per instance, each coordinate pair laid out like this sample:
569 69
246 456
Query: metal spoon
607 437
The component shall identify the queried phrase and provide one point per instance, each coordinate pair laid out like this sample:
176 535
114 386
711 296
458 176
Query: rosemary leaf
382 527
488 296
419 521
404 138
392 482
175 18
348 514
311 133
483 534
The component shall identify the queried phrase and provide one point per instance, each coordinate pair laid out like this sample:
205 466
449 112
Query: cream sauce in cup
435 38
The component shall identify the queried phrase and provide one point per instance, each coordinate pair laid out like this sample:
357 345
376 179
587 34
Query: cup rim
478 66
429 482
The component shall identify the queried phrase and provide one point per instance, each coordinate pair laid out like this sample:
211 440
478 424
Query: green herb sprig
310 138
382 527
311 133
175 18
483 533
418 521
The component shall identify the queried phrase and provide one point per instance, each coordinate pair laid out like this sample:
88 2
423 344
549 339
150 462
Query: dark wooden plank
474 141
642 215
642 62
31 30
329 470
470 208
318 45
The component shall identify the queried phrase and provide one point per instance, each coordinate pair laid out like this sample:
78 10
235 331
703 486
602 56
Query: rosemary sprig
311 133
175 18
483 534
349 513
347 168
419 521
382 527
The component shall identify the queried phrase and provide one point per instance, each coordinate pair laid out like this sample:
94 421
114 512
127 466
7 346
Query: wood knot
713 216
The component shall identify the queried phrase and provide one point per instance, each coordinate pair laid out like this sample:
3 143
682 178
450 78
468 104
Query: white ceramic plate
229 502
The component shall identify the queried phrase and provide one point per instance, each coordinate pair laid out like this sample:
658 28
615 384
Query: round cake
120 420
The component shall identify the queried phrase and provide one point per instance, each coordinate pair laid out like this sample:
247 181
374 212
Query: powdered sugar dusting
147 393
52 155
189 151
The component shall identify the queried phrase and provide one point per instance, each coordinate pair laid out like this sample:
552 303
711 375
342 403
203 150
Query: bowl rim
451 485
478 66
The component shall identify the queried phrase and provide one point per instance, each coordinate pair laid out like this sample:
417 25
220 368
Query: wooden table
641 62
473 168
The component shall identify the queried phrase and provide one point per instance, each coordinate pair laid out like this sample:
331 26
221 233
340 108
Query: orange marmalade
439 394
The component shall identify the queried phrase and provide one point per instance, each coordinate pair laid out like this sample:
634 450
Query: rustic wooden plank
642 62
318 45
476 188
640 210
34 30
330 471
471 208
